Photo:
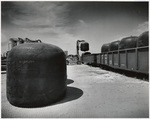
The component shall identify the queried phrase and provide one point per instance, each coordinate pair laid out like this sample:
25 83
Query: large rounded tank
143 39
114 45
86 53
36 75
84 46
128 42
105 47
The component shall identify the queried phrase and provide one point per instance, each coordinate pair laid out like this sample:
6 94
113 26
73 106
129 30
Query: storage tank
84 46
114 45
36 75
128 42
105 47
86 53
143 39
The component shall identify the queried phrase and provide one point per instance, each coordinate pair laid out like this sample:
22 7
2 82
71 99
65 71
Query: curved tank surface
84 46
143 39
86 53
105 47
114 45
36 75
128 42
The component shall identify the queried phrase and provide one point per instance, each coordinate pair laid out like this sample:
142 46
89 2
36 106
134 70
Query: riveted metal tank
84 46
128 42
36 75
105 47
143 39
114 45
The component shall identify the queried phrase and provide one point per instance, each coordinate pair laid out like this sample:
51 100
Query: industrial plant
74 59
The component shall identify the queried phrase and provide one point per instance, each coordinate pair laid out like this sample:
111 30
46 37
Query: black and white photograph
75 59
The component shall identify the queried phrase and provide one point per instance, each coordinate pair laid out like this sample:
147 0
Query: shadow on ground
69 81
71 94
129 73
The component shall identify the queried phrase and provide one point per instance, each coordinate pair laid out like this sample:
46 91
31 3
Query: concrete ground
91 93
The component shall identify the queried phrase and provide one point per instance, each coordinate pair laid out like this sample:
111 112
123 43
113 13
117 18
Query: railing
124 61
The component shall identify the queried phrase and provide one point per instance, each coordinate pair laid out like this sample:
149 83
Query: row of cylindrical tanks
129 54
128 42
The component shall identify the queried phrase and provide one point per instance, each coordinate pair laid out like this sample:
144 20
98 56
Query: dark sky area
62 23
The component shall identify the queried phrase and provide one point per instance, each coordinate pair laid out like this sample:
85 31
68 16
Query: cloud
36 14
82 22
142 27
4 43
44 20
62 23
40 20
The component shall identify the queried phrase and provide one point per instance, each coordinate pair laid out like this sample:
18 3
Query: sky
63 23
